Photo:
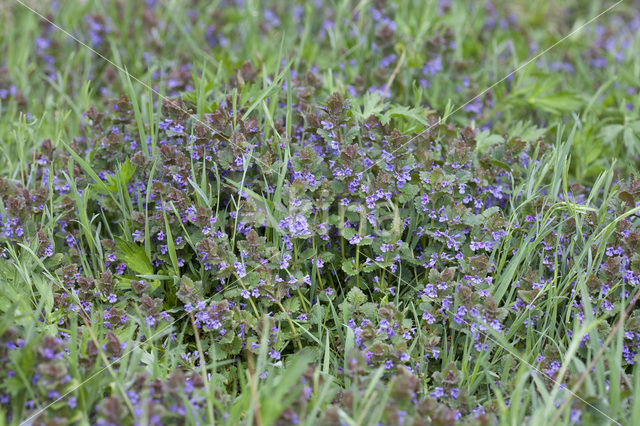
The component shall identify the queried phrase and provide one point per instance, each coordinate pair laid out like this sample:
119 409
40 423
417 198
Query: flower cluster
272 239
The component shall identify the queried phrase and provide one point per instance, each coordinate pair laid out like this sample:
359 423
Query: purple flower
478 411
274 354
240 269
138 236
297 226
437 393
326 125
433 67
430 319
150 321
576 415
355 239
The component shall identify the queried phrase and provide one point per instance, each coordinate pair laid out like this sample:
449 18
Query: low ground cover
330 213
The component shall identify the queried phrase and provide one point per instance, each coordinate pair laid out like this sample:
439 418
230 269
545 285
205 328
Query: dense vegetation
319 212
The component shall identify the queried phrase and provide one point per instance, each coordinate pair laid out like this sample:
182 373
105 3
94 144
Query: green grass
559 147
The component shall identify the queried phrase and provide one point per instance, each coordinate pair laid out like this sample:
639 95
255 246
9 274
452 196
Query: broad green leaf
123 176
485 140
557 103
356 296
415 114
611 132
46 293
348 267
133 256
631 141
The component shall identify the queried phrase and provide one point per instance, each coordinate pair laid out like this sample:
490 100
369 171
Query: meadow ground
319 212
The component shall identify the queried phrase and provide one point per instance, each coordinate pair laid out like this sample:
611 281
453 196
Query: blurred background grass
429 54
